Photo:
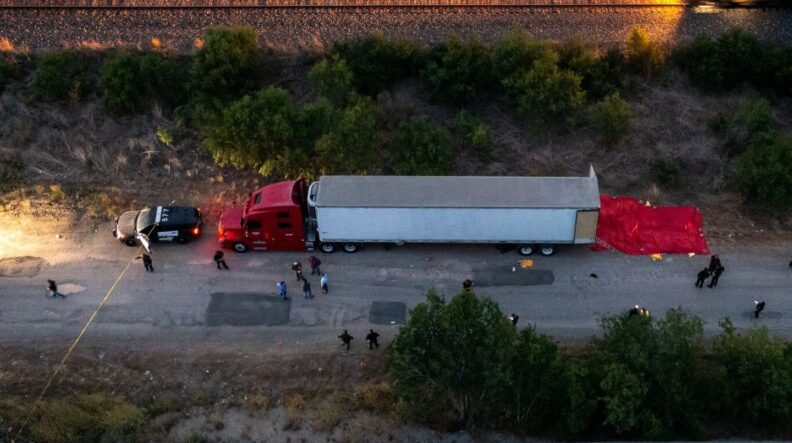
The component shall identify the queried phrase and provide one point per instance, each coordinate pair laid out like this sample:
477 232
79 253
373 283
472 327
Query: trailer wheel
327 248
527 250
130 241
181 240
548 250
240 247
350 248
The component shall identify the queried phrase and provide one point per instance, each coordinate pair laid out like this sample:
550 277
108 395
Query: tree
611 118
254 130
351 145
547 94
474 134
422 148
764 172
644 57
228 66
132 82
457 71
333 80
377 62
516 53
451 360
63 76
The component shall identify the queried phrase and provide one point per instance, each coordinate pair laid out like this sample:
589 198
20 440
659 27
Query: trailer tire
182 240
547 250
240 247
327 248
130 242
527 250
350 248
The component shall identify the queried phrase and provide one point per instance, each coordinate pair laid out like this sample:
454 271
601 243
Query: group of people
371 338
715 269
324 280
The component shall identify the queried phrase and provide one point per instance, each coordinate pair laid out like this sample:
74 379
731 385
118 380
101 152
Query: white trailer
527 211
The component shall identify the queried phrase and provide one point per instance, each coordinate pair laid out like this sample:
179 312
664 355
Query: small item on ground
593 275
526 263
656 257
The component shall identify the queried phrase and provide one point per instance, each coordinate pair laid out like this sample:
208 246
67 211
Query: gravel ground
292 30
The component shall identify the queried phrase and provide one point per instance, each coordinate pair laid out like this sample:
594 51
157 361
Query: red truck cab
272 219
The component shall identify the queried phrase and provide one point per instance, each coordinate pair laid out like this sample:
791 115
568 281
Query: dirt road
187 303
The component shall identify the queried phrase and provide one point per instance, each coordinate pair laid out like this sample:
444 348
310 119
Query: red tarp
630 227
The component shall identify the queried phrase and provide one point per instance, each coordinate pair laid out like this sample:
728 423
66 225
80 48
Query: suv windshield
145 220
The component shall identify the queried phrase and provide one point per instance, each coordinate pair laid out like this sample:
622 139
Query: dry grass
257 405
330 413
377 397
294 403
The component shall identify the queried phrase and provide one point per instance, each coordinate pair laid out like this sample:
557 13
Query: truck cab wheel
350 248
547 250
527 250
240 247
130 242
327 248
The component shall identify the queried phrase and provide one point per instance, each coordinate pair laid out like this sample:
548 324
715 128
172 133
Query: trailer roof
458 192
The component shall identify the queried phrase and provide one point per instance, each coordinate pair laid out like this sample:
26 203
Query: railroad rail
333 4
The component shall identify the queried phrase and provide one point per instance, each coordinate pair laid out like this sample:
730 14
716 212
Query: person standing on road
297 268
467 285
760 305
714 263
219 260
702 277
306 287
281 285
715 276
346 339
53 288
371 338
314 262
146 261
323 281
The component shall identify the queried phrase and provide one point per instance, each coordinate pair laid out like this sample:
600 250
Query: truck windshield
145 219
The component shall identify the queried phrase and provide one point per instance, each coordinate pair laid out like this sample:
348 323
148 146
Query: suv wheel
130 242
240 247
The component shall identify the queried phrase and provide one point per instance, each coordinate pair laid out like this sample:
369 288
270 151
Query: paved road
187 302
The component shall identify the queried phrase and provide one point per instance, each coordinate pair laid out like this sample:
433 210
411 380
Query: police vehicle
178 224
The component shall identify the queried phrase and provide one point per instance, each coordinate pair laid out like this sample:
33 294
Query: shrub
666 171
132 82
63 76
333 80
752 122
255 130
611 118
644 57
547 94
474 134
374 397
516 52
457 71
422 148
722 64
607 76
377 62
764 172
450 359
228 66
351 145
13 67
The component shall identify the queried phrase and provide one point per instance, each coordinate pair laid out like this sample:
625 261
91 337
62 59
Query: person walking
323 281
53 288
297 268
467 285
315 262
714 263
702 277
514 318
146 261
306 287
760 305
715 276
346 339
371 338
219 260
281 285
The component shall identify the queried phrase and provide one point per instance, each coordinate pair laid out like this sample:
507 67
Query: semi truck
345 212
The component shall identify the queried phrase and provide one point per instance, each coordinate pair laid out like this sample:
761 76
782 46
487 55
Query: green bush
611 119
63 76
720 64
377 62
547 94
422 148
333 80
13 67
516 52
228 66
457 71
255 130
755 381
666 171
351 145
764 172
132 82
474 134
645 58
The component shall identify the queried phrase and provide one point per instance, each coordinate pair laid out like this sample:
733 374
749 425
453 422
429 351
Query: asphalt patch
507 277
247 309
20 266
387 313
